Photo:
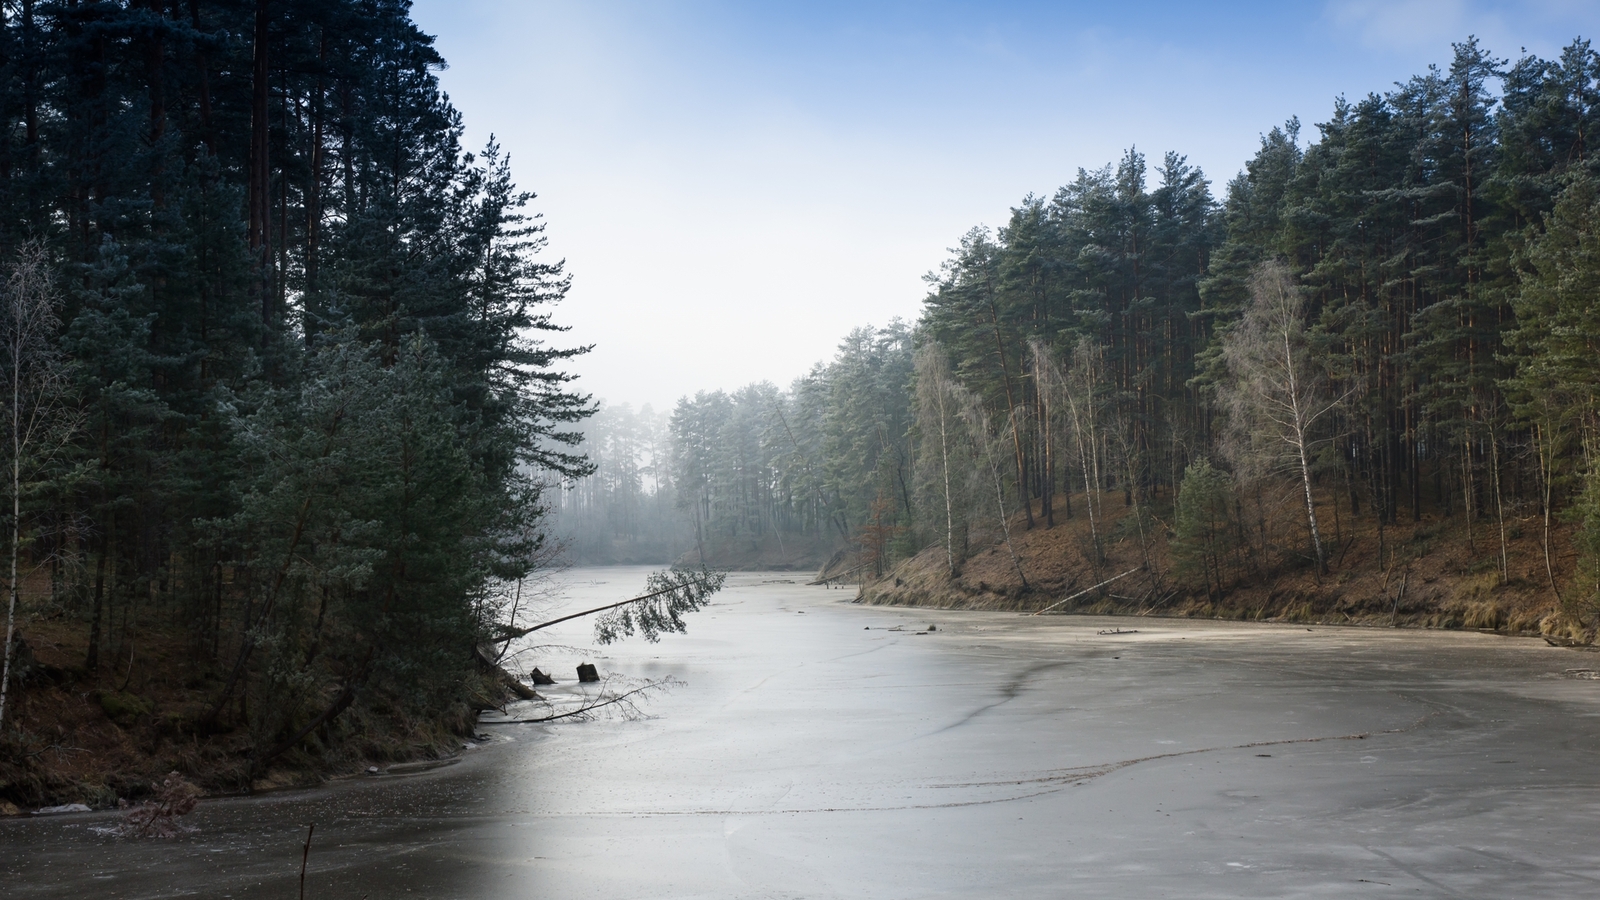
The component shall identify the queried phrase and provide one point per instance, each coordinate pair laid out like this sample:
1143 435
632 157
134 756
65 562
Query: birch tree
988 446
1275 395
38 420
1081 391
938 420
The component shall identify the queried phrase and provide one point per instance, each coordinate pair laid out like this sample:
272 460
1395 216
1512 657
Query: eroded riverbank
816 751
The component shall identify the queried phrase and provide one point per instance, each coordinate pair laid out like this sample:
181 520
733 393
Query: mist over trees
625 511
824 461
1391 319
829 458
308 352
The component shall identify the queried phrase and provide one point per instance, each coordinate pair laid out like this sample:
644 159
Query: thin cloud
1408 26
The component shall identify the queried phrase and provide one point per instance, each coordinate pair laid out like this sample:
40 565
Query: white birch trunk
944 460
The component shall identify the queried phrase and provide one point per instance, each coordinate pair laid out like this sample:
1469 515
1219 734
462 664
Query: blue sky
736 185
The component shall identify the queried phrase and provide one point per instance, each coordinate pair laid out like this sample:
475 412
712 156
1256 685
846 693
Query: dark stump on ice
538 677
587 672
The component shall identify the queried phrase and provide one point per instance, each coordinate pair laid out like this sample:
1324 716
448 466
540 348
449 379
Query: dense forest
281 368
286 407
1391 324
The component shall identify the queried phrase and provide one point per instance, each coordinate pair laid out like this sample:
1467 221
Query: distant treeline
754 464
625 511
1400 316
294 370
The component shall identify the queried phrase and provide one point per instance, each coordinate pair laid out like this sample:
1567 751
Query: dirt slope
1415 573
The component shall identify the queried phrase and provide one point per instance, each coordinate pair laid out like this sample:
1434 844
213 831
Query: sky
735 186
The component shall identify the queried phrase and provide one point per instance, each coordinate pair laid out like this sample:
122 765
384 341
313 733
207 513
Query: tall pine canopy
312 364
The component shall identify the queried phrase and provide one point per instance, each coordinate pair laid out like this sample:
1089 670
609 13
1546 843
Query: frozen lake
812 752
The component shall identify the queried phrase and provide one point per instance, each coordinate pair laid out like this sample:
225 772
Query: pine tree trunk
1500 511
1546 471
1011 407
260 200
207 135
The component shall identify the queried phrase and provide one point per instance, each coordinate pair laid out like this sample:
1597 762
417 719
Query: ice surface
826 755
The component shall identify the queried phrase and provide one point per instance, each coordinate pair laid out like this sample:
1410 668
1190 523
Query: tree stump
587 672
538 677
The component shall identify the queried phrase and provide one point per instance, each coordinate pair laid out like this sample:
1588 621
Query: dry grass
1419 574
